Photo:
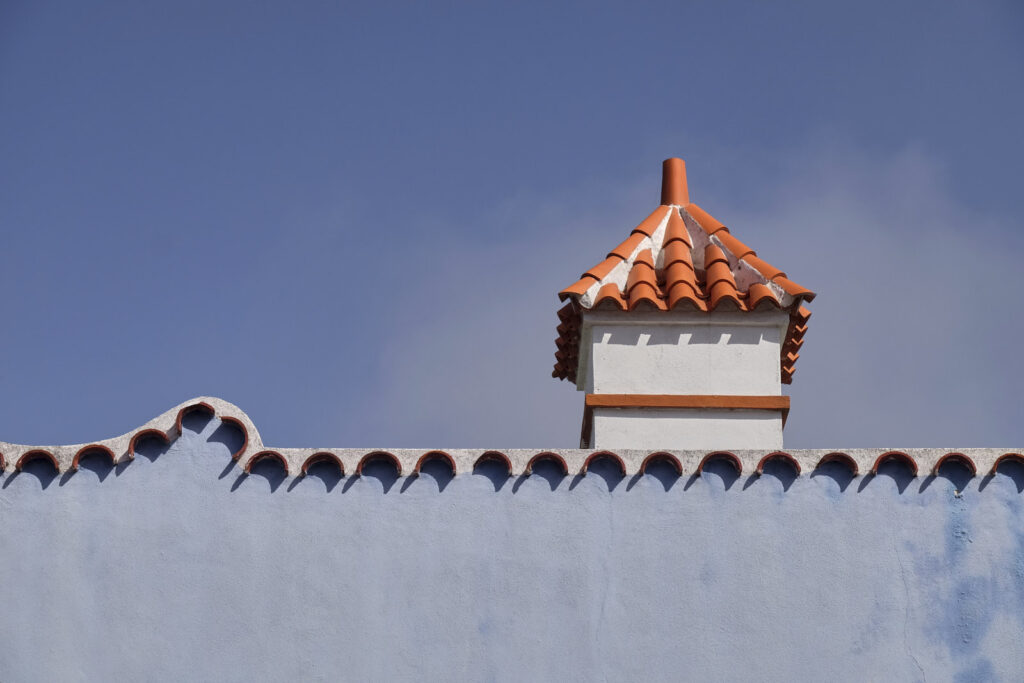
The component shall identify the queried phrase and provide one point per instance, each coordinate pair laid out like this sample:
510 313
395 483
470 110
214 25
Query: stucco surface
725 353
707 429
681 352
720 354
178 566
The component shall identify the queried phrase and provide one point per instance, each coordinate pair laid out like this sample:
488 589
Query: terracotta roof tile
578 288
718 272
644 258
725 295
793 289
641 274
644 294
759 294
642 283
610 294
714 254
651 223
677 252
675 230
681 273
682 286
766 269
602 269
738 249
654 268
681 298
626 249
706 220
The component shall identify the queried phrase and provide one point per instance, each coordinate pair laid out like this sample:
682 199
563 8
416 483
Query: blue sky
352 220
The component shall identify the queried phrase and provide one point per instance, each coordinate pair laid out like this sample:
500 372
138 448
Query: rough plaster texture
178 566
728 354
651 428
731 354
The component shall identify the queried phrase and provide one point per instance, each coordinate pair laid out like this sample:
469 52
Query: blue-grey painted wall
175 567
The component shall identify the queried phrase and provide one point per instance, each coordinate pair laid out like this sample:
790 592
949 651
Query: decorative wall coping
519 461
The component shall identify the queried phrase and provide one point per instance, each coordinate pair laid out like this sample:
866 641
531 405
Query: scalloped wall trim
861 461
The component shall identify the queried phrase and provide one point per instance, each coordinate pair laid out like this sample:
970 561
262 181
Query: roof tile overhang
681 258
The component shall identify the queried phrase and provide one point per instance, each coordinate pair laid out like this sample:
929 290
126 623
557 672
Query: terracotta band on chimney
673 182
691 401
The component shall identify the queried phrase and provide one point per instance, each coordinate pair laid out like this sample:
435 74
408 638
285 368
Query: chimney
673 182
682 337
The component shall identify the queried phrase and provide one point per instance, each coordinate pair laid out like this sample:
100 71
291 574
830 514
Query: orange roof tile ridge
706 221
745 258
697 264
619 273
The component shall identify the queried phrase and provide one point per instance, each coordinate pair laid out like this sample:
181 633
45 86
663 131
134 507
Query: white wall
729 354
667 429
733 354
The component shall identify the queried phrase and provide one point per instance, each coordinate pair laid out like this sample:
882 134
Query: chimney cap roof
721 273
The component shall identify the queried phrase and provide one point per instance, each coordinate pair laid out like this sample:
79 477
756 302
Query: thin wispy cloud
364 246
911 343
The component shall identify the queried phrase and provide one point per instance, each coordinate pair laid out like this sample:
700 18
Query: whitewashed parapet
861 461
121 449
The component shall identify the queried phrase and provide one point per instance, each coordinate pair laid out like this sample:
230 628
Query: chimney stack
682 337
673 182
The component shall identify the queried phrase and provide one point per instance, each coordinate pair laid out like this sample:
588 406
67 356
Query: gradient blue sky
352 220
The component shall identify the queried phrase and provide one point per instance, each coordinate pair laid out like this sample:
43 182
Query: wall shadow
196 420
895 469
228 469
437 469
705 335
624 335
228 434
150 446
838 472
267 468
722 469
548 470
745 335
779 468
95 461
660 471
496 472
664 336
606 468
953 471
39 468
1011 470
381 469
326 471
